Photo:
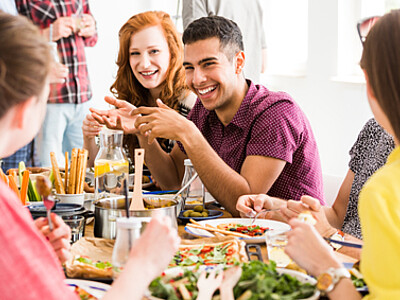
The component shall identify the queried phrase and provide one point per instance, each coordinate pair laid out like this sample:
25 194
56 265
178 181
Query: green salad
258 281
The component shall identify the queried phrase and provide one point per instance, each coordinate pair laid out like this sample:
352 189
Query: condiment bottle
110 166
128 231
194 193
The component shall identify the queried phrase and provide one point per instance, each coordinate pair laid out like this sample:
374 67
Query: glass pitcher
111 167
194 194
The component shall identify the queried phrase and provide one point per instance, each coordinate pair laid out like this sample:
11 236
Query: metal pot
107 210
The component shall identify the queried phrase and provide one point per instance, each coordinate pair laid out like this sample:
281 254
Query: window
349 45
286 29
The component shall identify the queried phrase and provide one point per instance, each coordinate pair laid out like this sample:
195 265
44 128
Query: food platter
272 225
96 289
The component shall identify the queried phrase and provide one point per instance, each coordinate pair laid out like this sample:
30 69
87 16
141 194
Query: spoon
43 186
137 199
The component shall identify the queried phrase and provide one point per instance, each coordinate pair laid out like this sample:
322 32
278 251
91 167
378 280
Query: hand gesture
90 127
143 251
161 121
231 277
59 238
307 248
208 285
87 26
248 204
63 27
307 203
118 118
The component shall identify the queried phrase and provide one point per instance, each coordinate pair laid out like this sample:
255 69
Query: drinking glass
77 225
276 241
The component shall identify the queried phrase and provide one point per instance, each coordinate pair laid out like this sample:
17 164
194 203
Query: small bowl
212 214
71 198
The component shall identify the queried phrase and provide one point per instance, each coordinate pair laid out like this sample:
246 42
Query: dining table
185 235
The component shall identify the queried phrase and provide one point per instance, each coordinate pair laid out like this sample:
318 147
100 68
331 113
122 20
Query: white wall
336 110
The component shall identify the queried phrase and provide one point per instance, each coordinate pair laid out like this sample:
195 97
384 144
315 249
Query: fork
261 211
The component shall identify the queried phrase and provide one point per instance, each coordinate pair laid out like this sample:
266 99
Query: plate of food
241 228
86 289
257 281
209 251
198 213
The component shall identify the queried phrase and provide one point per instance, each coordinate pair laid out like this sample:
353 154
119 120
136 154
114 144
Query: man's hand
161 121
118 118
248 204
63 27
58 73
87 26
59 238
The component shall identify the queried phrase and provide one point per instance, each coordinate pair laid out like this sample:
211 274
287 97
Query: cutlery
346 244
261 211
43 186
137 198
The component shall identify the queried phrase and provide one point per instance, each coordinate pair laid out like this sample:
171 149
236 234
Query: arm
257 175
146 262
306 247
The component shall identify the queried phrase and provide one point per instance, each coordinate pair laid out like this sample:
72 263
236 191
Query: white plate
209 199
303 278
97 289
272 225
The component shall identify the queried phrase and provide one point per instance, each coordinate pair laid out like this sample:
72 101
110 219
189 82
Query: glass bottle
110 166
194 193
128 230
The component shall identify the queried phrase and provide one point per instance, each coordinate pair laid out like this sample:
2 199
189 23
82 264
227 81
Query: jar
195 192
111 168
128 231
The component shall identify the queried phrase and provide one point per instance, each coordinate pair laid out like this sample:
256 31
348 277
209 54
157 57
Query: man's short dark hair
225 30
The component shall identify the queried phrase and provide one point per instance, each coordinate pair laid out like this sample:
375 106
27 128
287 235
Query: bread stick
83 170
78 171
57 176
72 172
233 233
66 172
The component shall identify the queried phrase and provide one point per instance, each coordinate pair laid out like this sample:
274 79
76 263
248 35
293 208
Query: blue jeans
62 131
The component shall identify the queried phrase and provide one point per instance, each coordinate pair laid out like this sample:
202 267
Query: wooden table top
184 235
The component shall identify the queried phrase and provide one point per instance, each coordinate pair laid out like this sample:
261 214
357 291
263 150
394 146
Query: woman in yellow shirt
379 203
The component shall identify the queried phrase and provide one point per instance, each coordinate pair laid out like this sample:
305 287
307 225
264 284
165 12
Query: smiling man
241 138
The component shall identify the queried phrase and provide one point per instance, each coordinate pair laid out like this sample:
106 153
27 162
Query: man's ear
21 112
239 60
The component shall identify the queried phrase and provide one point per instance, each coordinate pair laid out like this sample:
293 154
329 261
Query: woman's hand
307 248
208 285
307 203
90 127
156 247
119 118
59 238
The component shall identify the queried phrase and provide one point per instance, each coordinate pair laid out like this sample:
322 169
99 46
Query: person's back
247 14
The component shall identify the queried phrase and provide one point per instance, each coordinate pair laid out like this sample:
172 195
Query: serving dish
212 214
272 225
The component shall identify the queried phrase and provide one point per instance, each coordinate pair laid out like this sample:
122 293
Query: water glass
276 241
77 225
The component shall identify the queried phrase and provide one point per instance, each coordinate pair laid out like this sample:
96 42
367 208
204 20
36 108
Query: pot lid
58 207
